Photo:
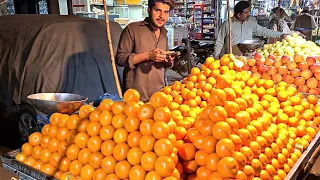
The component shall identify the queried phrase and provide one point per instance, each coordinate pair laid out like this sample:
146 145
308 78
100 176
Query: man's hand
170 59
283 36
157 55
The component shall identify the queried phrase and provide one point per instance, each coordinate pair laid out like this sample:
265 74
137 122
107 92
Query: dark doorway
26 6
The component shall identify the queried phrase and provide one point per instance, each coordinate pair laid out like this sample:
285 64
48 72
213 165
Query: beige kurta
146 77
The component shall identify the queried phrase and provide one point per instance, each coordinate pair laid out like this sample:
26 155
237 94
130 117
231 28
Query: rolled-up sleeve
265 32
220 40
124 56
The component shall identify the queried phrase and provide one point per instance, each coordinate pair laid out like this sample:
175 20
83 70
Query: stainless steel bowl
57 102
251 44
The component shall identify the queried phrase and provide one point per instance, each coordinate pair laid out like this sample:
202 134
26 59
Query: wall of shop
135 12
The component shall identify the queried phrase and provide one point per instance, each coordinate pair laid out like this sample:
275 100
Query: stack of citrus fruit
219 123
117 140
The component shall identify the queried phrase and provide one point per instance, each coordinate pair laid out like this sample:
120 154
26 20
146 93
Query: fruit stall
226 120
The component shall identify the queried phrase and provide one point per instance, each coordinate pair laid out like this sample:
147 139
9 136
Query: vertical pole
229 27
114 67
188 55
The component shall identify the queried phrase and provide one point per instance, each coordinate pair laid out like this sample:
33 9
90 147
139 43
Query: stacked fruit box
220 122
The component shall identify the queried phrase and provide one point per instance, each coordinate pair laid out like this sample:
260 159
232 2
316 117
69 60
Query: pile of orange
219 123
117 140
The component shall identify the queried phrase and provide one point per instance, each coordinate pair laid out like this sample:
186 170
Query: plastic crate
23 171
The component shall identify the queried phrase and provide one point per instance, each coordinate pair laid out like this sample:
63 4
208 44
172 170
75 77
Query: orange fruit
217 97
221 130
201 157
224 148
256 148
245 136
187 151
85 111
163 147
106 104
137 172
120 151
75 168
148 160
83 124
208 144
146 112
247 152
203 172
147 143
243 119
160 130
212 161
108 164
99 174
249 171
131 95
162 114
72 152
45 155
228 167
118 107
240 158
164 166
218 113
134 156
159 99
27 149
257 166
35 139
241 175
64 164
94 143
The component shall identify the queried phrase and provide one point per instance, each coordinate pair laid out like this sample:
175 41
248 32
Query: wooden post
229 27
113 63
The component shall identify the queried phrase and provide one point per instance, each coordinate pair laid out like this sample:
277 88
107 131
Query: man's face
244 15
159 14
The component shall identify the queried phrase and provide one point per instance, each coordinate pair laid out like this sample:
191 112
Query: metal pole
229 27
188 55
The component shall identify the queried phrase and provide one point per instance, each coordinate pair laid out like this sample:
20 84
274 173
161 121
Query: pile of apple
289 46
298 70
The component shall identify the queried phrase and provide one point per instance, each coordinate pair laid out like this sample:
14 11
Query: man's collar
146 22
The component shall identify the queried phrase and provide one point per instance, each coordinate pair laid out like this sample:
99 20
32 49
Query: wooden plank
303 160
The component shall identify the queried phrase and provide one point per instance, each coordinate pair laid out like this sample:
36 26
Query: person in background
304 23
278 22
141 50
243 26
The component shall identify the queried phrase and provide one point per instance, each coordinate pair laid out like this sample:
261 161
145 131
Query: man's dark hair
152 3
240 6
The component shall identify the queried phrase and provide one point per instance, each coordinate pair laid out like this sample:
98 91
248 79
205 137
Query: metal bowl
65 103
251 44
